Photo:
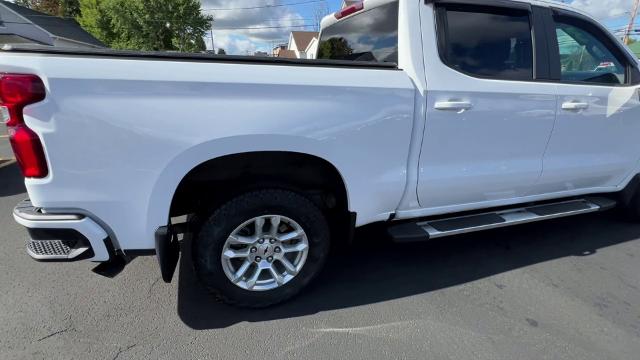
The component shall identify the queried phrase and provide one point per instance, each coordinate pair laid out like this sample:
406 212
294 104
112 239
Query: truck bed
191 57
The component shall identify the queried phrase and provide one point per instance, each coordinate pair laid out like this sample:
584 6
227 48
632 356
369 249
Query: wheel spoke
276 275
233 254
294 248
290 235
259 224
288 266
241 240
251 282
275 224
282 255
241 271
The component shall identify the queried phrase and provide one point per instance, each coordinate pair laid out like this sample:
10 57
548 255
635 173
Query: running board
433 229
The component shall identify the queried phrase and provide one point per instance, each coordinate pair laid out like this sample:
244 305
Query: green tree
95 19
221 51
63 8
146 24
334 48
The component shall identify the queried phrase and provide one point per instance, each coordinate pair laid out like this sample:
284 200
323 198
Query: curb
6 162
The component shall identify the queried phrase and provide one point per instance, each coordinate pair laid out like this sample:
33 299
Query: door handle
453 105
573 106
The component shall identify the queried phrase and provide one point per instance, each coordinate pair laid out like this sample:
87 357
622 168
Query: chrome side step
433 229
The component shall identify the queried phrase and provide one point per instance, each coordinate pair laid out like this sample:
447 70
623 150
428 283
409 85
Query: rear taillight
349 10
16 92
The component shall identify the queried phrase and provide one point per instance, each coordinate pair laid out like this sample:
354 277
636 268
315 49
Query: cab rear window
368 36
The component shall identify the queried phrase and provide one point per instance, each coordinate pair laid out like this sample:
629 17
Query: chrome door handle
453 105
573 106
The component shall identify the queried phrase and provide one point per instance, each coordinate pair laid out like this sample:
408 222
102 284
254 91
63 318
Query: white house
312 48
299 42
347 3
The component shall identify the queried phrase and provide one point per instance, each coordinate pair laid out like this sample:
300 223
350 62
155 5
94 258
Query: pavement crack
154 284
55 333
121 350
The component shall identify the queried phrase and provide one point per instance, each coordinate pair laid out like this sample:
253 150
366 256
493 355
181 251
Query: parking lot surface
5 147
567 289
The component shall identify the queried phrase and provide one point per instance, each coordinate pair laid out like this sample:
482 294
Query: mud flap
167 251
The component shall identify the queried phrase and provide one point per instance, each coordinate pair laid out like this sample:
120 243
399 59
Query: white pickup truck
437 117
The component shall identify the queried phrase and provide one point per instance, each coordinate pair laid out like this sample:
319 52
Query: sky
244 31
245 26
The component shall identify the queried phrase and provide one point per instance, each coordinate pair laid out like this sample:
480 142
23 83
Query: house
19 25
299 42
277 49
312 48
287 54
347 3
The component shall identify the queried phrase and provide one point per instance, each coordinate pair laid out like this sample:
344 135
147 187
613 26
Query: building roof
288 54
303 38
59 27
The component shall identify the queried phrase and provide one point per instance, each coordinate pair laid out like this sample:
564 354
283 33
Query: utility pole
632 22
213 49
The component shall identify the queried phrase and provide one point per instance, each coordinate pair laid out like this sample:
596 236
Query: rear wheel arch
215 181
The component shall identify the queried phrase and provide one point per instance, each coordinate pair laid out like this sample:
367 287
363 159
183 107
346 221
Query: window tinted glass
368 36
584 58
488 42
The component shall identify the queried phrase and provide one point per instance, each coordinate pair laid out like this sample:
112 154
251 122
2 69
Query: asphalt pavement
5 147
566 289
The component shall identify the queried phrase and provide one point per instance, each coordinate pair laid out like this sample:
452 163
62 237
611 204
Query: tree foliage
334 48
157 25
64 8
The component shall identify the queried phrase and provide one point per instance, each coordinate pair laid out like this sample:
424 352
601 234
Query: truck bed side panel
120 134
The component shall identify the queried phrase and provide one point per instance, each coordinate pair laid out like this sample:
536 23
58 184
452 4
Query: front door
595 140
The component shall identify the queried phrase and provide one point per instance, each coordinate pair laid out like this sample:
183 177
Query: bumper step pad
55 249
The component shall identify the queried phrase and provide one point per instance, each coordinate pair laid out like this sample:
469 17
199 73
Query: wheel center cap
265 250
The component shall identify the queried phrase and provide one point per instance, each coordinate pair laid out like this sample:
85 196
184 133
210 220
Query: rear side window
368 36
486 42
585 57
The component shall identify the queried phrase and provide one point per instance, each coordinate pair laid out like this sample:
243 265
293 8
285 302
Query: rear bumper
62 237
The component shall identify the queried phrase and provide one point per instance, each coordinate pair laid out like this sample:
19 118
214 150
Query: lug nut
254 249
261 241
258 259
270 259
277 250
272 241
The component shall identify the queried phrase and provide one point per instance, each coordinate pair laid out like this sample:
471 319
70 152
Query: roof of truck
369 4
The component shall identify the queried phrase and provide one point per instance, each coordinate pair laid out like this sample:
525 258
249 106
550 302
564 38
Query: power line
264 6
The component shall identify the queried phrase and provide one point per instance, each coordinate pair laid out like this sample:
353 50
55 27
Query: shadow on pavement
375 270
11 180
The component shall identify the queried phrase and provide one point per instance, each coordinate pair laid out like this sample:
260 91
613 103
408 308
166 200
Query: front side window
585 58
369 36
487 42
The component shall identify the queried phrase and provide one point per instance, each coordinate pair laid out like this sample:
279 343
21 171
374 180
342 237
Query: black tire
210 240
632 209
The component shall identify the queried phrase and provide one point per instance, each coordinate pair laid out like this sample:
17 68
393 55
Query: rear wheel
632 208
261 248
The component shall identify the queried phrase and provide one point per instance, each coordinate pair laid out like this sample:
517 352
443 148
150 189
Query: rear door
595 140
490 108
